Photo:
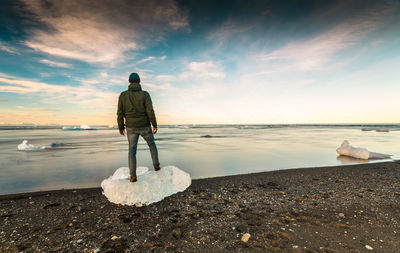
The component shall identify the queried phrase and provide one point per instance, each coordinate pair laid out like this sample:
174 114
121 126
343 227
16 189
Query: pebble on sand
246 237
368 247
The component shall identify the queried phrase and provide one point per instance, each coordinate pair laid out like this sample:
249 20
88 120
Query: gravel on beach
352 208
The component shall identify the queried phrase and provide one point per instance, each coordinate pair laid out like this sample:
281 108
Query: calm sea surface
85 158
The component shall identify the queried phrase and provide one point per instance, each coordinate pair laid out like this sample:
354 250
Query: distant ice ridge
151 186
385 130
360 153
24 146
82 127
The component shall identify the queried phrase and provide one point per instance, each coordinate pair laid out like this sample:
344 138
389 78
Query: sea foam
151 186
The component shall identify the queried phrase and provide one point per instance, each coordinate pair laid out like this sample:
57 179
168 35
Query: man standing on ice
135 106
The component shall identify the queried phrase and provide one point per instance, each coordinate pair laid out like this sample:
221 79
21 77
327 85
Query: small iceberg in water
24 146
360 153
76 128
86 127
383 130
58 144
151 186
211 136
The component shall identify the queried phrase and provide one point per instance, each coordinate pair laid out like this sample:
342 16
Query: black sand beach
352 208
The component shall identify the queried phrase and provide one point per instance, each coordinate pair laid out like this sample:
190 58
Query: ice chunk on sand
360 153
151 186
24 146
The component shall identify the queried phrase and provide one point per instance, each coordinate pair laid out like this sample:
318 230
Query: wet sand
354 208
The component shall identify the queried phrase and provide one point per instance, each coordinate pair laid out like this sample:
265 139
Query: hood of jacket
134 87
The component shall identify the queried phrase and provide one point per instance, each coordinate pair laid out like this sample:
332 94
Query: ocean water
84 158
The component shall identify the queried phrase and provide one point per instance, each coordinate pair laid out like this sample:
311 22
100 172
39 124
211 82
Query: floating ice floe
383 130
151 186
57 144
361 153
24 146
78 128
211 136
86 127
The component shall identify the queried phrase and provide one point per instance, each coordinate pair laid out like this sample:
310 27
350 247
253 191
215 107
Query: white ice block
361 153
151 186
24 146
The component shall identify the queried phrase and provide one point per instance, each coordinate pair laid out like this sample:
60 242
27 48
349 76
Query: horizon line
204 124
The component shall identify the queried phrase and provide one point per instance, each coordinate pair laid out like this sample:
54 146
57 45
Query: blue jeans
133 137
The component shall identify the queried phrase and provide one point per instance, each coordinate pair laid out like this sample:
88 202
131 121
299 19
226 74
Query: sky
203 62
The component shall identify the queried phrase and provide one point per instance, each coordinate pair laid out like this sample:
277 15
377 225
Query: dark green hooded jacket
135 106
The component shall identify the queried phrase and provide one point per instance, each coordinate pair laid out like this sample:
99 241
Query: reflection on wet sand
350 160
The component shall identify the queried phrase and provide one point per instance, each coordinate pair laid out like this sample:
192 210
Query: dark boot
156 167
133 179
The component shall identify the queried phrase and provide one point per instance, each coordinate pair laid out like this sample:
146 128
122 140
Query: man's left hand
122 132
154 130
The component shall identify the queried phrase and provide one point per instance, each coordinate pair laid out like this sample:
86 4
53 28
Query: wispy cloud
50 116
229 29
203 71
82 95
55 64
101 31
7 48
317 52
39 109
144 60
151 58
200 74
6 75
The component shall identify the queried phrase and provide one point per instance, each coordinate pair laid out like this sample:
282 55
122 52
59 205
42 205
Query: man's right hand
122 132
154 130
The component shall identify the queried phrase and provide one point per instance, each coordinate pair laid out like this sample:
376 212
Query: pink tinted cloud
101 31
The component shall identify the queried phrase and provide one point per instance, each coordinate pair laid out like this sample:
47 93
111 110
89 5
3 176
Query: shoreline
22 195
345 208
